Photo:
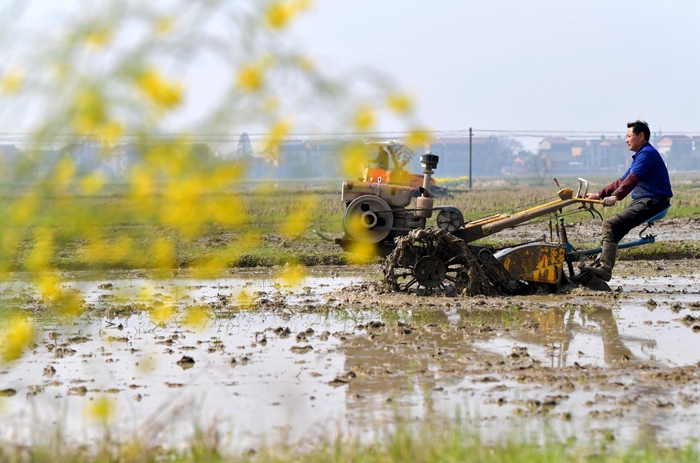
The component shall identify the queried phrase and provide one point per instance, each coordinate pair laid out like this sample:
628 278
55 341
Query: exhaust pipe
425 203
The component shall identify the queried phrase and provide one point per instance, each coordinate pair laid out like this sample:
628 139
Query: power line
27 137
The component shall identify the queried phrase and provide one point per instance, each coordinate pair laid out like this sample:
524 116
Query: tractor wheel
432 259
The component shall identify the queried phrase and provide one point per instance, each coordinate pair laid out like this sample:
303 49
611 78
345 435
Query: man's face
634 141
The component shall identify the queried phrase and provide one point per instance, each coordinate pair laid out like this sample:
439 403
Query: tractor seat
659 216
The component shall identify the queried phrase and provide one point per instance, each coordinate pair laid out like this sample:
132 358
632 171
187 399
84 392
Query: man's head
637 135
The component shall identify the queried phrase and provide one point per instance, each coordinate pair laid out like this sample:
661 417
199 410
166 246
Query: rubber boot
607 261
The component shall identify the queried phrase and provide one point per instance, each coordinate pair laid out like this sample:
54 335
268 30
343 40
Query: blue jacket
650 169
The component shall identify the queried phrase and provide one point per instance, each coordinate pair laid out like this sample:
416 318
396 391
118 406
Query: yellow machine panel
541 263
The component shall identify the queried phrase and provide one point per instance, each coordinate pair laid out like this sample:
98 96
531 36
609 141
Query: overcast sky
516 65
536 65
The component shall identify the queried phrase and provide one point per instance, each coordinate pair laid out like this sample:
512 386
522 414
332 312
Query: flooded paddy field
337 353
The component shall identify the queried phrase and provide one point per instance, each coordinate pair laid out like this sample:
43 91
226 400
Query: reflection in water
399 358
555 329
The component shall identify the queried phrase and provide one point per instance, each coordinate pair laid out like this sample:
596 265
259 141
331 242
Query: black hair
640 127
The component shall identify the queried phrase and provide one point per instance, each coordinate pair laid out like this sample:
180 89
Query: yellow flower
93 183
65 171
40 256
17 335
164 25
162 314
101 409
250 78
23 209
279 14
353 160
11 82
90 111
196 317
364 118
399 103
110 132
164 251
306 63
280 129
164 93
299 221
292 275
98 38
417 136
362 253
49 286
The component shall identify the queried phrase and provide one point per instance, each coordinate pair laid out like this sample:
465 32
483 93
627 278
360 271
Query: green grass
264 213
423 442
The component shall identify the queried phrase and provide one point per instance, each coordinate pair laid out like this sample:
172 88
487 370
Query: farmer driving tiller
389 167
421 257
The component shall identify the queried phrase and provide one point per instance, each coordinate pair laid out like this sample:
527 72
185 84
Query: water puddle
316 359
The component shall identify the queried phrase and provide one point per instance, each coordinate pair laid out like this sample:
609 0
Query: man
382 159
647 179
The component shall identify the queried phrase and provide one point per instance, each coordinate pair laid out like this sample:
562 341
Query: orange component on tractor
395 177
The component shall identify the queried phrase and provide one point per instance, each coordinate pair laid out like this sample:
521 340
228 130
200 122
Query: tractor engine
378 212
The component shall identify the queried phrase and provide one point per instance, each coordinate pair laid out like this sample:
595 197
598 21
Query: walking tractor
424 258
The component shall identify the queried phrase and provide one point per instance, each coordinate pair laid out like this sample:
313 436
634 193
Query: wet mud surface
339 353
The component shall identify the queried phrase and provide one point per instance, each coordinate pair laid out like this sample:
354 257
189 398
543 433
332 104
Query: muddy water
336 353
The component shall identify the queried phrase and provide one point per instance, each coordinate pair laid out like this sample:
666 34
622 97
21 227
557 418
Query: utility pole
470 158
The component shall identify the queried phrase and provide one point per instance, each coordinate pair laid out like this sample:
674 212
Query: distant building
488 156
678 152
678 144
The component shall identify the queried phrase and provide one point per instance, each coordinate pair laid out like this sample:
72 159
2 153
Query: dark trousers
639 211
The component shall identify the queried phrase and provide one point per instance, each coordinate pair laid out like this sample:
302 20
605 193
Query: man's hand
592 196
609 201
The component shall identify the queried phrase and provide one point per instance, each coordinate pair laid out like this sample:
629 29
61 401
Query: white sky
524 65
531 65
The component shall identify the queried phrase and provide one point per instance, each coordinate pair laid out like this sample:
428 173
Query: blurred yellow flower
244 300
353 160
292 275
161 91
49 286
23 209
90 111
65 171
417 136
306 63
16 335
299 220
162 314
364 118
362 253
101 409
93 183
164 25
280 129
279 14
196 317
164 251
39 257
110 132
250 78
98 38
11 82
399 103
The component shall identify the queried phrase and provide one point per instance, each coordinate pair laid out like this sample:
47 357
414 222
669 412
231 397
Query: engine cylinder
424 207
